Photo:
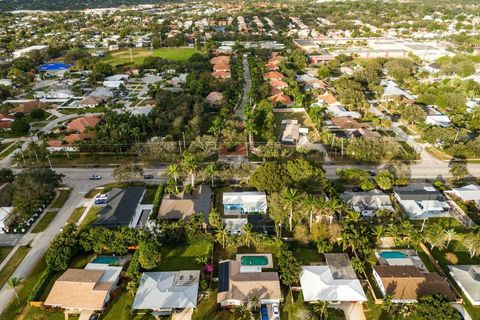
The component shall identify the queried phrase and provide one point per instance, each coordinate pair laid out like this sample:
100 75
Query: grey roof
171 289
340 266
371 200
120 207
468 279
419 193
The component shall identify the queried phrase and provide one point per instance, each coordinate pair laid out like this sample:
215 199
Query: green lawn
306 255
4 251
76 214
120 309
45 221
149 195
139 54
61 198
206 308
9 149
12 264
39 313
16 306
183 257
91 217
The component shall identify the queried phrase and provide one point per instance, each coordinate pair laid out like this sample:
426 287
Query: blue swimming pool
393 255
110 260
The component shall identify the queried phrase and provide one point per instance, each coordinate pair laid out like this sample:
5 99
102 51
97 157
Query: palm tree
254 300
290 198
173 171
243 312
190 165
320 308
14 283
248 236
379 232
215 128
250 130
222 235
450 234
335 206
211 171
135 132
310 204
472 242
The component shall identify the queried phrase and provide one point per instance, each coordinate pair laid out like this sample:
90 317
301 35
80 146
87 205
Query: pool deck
269 257
411 258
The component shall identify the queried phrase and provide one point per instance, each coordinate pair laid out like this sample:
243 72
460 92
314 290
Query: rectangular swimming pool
110 260
392 255
254 261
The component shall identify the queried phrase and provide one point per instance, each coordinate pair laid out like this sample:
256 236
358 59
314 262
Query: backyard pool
254 261
392 255
110 260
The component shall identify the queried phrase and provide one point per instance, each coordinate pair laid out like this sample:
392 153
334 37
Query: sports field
139 54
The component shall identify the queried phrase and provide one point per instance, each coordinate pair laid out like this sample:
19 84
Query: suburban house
367 202
467 193
170 292
29 106
280 99
86 290
292 131
273 75
123 208
421 201
467 277
407 284
91 102
214 98
334 282
84 123
186 204
278 85
5 218
116 80
244 202
337 110
236 285
439 120
391 92
6 121
68 142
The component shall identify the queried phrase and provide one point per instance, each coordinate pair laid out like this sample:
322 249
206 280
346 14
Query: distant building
25 51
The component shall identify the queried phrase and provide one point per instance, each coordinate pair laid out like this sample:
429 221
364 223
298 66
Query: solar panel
223 276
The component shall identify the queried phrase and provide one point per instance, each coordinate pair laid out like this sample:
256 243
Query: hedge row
41 284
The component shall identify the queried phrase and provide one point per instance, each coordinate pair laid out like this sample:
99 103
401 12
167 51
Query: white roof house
118 77
339 111
467 278
367 202
334 282
5 213
235 203
469 192
440 120
422 201
165 291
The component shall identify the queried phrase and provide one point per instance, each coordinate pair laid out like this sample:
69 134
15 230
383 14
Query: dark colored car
95 177
148 176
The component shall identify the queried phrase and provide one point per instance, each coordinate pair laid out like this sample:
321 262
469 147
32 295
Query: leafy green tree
435 236
384 180
6 175
20 126
413 114
458 170
270 177
62 249
289 268
149 254
437 307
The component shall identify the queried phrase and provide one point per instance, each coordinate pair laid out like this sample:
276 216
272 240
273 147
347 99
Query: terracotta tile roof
81 124
5 124
74 137
220 59
214 97
281 99
273 75
278 84
328 98
348 123
221 66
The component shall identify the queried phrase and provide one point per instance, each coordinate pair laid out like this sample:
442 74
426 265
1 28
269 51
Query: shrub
301 234
451 258
39 287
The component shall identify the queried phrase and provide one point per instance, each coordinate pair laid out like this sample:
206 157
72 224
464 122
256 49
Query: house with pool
241 279
241 208
84 291
335 282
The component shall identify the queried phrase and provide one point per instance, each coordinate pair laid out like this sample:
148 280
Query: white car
276 310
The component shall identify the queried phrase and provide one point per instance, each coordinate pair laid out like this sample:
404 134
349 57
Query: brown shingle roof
409 283
29 106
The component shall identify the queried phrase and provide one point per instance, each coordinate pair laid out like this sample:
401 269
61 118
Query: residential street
246 89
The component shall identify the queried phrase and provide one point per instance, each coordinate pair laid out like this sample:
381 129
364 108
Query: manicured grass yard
91 217
9 148
61 198
76 214
4 251
12 265
39 313
16 306
139 54
45 221
183 257
149 195
120 309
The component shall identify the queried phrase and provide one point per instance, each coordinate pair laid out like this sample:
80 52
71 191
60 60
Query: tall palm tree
136 133
215 128
173 171
310 205
450 234
379 232
248 235
14 283
211 171
190 165
222 235
243 312
290 198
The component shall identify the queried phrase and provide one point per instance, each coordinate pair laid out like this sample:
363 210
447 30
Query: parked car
148 176
276 310
95 177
